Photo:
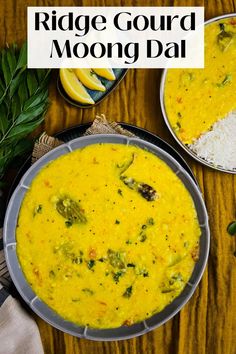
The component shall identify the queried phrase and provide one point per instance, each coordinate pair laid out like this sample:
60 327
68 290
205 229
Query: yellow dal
56 259
196 98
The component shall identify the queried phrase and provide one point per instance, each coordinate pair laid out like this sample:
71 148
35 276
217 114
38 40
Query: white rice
218 146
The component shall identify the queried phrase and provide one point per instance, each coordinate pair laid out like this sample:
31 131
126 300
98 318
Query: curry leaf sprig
23 102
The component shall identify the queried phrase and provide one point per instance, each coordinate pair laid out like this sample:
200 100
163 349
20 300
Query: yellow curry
107 235
197 98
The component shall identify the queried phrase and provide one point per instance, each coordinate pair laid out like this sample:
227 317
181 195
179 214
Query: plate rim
106 334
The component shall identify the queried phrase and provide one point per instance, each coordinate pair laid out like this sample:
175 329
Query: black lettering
85 27
183 48
95 22
76 50
154 44
169 21
54 20
154 24
136 23
60 52
110 52
95 47
134 53
42 21
172 50
117 21
162 23
66 22
188 26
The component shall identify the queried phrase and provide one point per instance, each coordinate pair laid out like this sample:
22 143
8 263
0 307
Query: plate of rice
199 105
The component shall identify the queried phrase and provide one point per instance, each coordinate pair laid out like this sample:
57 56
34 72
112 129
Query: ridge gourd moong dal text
123 35
83 23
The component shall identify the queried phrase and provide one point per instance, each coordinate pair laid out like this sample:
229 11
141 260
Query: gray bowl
45 312
185 147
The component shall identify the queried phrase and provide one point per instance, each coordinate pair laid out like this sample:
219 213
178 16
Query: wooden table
207 324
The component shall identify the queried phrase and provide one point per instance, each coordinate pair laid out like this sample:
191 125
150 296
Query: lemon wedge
73 87
89 79
107 73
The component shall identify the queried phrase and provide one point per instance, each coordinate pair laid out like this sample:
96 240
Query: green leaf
45 77
22 91
4 153
2 91
15 107
16 82
5 68
32 82
36 99
23 103
41 73
21 131
22 60
3 119
14 47
30 114
2 86
11 59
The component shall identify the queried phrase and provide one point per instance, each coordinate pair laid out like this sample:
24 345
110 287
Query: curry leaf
3 119
5 68
32 82
22 90
15 107
19 131
30 114
35 100
16 82
23 103
11 59
22 61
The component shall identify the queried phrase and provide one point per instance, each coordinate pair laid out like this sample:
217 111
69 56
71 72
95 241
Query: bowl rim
43 310
165 116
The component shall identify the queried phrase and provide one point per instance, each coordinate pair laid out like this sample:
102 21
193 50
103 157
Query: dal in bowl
102 239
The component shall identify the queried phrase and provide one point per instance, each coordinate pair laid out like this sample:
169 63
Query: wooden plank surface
207 324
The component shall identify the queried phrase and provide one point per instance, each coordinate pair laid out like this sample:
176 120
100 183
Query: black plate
97 96
75 132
